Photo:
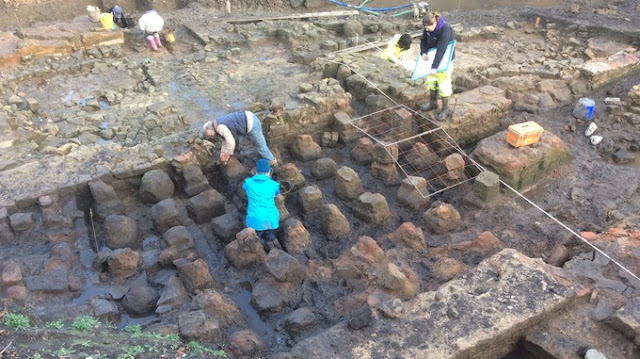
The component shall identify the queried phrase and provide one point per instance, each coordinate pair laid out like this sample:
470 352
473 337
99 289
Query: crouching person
262 213
151 23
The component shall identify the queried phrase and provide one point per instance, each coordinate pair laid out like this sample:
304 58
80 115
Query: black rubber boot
442 116
433 102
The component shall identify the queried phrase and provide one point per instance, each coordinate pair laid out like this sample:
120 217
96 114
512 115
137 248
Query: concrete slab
482 315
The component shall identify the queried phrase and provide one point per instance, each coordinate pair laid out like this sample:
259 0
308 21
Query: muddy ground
593 193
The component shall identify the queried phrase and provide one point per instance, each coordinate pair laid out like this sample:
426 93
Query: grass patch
63 352
132 352
17 321
85 323
199 349
56 324
134 329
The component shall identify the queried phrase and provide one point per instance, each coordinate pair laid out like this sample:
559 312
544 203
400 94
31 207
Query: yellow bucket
169 37
106 19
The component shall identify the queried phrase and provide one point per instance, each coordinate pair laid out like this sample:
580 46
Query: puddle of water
91 290
243 301
237 105
102 141
195 95
126 319
104 105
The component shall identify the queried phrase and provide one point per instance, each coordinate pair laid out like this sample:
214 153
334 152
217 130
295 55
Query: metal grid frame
420 147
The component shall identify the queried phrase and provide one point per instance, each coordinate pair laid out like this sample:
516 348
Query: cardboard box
523 134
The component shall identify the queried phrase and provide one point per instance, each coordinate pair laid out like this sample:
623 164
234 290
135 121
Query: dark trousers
267 235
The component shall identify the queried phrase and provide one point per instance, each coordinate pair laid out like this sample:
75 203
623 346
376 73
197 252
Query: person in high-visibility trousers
151 23
398 49
437 34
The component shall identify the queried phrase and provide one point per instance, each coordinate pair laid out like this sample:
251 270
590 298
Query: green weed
56 324
63 352
220 353
198 349
134 329
36 356
83 342
17 321
85 323
132 353
172 337
153 336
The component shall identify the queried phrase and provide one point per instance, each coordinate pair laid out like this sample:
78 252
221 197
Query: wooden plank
295 16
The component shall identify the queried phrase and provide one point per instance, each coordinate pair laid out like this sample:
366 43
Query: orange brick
588 235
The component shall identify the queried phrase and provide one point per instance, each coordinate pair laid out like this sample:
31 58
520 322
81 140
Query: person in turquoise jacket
262 213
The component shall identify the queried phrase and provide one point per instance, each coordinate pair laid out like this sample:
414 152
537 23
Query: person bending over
231 127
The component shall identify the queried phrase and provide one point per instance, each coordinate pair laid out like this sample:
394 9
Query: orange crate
524 134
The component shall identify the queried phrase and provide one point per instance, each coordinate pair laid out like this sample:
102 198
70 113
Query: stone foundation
524 166
485 314
476 114
602 72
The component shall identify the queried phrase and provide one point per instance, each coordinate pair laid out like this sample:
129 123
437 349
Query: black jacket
439 40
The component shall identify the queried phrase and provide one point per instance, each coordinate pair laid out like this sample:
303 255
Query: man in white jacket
151 23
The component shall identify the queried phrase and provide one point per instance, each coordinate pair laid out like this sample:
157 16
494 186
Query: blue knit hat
262 166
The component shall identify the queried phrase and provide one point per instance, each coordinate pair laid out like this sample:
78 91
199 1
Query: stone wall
484 314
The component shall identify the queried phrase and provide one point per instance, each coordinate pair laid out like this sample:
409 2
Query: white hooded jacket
150 22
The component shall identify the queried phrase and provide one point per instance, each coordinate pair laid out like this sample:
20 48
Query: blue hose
381 9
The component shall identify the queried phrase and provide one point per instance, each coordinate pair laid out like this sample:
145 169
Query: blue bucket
584 109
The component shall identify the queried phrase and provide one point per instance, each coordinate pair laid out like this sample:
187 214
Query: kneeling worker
118 16
233 125
398 49
262 213
151 23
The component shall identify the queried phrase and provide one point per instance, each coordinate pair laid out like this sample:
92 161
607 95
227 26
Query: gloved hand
224 158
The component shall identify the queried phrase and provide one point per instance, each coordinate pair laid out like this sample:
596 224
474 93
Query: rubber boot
442 116
153 45
433 102
157 38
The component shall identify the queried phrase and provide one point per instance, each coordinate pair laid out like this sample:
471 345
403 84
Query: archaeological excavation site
507 228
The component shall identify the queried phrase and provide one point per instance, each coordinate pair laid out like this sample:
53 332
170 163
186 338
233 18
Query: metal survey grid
423 148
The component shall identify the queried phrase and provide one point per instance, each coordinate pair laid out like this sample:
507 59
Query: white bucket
94 13
584 109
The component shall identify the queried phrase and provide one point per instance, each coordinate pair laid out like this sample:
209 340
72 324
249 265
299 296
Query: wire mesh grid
420 147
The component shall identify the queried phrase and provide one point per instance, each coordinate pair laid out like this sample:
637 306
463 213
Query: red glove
224 158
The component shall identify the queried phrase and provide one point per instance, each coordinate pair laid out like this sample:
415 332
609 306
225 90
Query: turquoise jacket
262 212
